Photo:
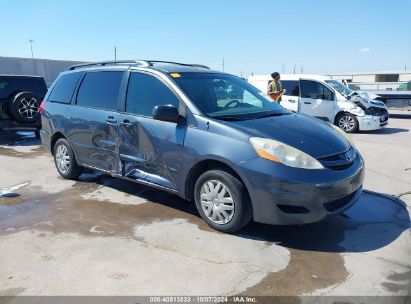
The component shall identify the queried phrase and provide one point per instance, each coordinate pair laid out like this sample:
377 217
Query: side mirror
166 113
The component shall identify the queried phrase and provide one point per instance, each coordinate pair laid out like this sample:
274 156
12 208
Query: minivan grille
376 111
339 161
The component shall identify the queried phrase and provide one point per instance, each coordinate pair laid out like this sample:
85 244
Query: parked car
162 125
328 100
20 99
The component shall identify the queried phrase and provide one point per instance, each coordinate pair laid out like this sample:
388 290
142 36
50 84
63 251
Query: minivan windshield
227 97
342 89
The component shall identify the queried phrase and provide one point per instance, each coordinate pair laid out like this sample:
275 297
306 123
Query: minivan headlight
284 154
343 134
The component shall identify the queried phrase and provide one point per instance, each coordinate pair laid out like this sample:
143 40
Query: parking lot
105 236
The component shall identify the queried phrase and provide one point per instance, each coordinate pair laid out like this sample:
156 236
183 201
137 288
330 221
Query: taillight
42 106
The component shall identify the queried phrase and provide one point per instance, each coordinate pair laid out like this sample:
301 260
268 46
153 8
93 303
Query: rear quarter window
64 88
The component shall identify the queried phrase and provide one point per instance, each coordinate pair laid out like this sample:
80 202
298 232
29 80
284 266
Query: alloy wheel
28 107
346 123
63 161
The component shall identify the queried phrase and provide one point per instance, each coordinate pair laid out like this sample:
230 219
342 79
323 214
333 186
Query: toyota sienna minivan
206 136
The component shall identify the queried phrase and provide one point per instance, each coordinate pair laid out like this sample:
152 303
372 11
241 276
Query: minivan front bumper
287 196
370 122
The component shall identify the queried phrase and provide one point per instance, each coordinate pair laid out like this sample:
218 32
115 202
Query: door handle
111 119
307 102
291 100
126 123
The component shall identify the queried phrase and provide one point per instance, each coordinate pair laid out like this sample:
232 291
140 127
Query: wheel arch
337 116
56 136
206 165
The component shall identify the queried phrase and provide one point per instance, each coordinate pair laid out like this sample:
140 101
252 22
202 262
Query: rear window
100 90
64 88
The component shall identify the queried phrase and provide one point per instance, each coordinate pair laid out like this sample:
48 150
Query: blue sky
252 36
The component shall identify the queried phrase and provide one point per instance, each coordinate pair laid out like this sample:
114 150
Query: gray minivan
206 136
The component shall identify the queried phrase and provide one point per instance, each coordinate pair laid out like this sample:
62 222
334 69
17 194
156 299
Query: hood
366 99
308 134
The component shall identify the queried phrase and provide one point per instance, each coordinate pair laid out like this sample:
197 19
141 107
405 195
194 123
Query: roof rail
142 63
179 63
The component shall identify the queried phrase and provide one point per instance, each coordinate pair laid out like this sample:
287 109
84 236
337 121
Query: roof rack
142 63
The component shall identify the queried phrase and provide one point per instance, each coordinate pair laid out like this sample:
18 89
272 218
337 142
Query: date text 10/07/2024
203 299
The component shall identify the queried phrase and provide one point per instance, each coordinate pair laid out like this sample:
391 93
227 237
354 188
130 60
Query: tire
226 212
347 122
25 107
65 161
37 134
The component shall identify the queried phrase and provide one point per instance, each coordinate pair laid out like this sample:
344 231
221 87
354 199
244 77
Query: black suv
20 99
181 128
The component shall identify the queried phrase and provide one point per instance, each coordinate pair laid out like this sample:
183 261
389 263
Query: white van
328 100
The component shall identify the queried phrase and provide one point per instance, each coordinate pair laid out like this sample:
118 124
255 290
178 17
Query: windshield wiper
231 118
272 114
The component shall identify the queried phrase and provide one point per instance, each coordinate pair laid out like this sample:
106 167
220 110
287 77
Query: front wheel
222 201
65 161
347 122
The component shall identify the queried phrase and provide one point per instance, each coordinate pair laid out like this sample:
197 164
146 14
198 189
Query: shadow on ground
385 131
373 222
404 115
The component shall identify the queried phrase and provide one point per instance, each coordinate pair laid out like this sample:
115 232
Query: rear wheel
65 161
347 122
222 201
25 108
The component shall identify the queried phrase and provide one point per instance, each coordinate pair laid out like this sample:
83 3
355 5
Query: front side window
292 87
100 90
226 96
64 88
315 90
145 92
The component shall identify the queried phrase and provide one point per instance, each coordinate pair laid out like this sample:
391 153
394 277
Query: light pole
32 56
31 47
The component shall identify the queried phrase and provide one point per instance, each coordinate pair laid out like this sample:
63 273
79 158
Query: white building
376 81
